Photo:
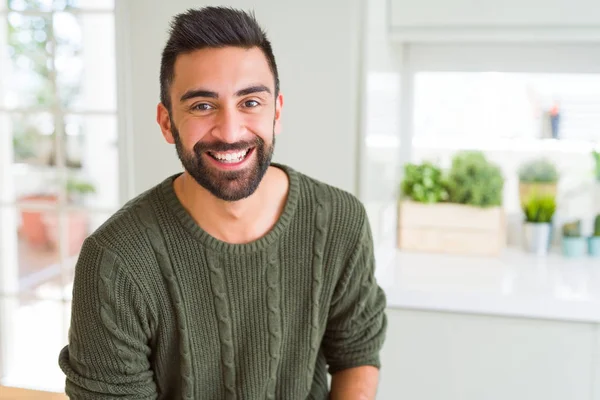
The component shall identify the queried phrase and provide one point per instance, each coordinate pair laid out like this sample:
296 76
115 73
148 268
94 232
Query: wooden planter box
451 228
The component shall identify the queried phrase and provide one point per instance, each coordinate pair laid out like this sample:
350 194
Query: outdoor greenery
32 45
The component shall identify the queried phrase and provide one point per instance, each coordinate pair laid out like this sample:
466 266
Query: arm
108 354
358 383
356 326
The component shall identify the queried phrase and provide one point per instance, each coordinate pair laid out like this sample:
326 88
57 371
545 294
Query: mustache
202 147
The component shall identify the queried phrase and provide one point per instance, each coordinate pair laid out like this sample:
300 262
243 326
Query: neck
235 222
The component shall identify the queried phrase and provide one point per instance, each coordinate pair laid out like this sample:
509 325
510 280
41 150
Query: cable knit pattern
317 270
107 273
273 305
163 310
162 256
224 322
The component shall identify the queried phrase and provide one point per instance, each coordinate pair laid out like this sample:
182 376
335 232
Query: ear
278 107
164 121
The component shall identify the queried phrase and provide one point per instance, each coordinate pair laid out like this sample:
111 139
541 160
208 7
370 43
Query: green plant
540 170
597 226
79 187
24 142
540 209
596 155
28 41
473 180
572 229
424 183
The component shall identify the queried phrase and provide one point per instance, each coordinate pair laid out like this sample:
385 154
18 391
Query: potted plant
537 228
594 240
457 212
475 181
424 183
573 243
40 228
537 176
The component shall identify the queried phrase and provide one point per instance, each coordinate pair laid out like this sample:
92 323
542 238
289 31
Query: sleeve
107 355
357 322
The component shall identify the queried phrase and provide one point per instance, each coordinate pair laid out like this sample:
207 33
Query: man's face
224 118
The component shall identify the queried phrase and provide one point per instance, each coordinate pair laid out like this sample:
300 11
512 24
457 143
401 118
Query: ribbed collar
176 207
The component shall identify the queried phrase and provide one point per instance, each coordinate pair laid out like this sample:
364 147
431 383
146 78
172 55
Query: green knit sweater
162 310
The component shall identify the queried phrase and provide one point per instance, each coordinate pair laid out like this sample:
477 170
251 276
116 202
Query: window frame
119 15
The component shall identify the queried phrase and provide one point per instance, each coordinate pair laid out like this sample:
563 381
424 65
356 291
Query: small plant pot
537 237
574 246
594 246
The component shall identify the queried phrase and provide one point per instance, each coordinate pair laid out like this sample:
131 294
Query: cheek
262 126
191 132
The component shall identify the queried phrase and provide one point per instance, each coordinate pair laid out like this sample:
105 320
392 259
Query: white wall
316 45
488 21
489 13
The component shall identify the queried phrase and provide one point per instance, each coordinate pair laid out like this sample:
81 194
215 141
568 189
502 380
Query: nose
228 127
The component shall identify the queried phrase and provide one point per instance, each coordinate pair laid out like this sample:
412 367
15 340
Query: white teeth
230 157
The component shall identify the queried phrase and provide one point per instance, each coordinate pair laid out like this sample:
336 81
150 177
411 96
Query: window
501 99
59 170
487 106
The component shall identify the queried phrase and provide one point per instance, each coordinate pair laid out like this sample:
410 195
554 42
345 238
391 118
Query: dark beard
226 185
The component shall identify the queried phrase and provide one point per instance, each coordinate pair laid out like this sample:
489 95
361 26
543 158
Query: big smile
230 157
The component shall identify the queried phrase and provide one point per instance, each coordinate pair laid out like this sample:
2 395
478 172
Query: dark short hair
211 27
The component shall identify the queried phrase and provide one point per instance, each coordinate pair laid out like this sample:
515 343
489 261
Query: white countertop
516 284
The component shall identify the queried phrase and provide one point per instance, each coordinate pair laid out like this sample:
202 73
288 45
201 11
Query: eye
251 103
202 107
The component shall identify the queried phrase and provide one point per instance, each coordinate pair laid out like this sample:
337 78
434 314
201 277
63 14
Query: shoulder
346 214
120 253
125 232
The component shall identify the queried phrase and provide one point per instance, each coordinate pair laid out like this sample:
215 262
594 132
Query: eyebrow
190 94
252 89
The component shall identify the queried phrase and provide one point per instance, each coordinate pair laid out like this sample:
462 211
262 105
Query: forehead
224 70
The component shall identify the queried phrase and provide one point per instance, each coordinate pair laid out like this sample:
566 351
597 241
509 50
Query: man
238 278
